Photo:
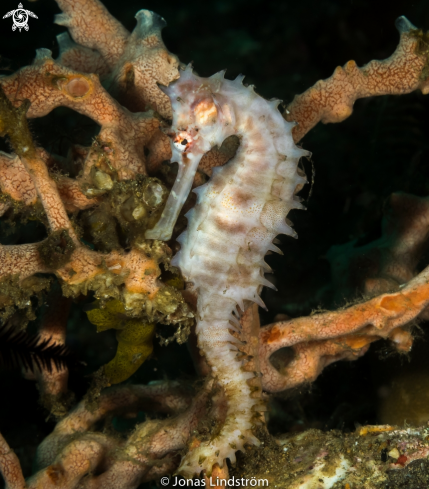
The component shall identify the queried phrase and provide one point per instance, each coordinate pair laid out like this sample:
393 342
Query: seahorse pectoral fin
178 195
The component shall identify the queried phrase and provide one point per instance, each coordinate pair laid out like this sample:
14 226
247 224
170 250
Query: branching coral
123 136
131 277
133 63
111 229
332 100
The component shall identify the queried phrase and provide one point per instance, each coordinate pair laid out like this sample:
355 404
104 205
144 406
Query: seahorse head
202 116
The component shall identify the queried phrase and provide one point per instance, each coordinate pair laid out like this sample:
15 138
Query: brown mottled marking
242 274
229 226
242 198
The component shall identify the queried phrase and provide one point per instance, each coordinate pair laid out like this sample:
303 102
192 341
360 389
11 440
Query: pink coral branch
49 196
79 457
16 183
81 58
72 196
147 453
71 452
162 397
10 467
138 62
332 100
110 36
23 260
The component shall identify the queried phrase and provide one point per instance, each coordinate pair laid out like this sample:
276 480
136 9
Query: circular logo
20 18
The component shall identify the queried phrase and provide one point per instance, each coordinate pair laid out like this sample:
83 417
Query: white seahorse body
237 215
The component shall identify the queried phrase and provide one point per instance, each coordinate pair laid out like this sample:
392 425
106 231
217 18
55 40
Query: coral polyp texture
118 246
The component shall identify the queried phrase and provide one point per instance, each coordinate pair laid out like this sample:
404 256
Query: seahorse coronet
238 213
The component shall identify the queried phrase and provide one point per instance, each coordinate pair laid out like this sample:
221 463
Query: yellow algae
134 347
134 339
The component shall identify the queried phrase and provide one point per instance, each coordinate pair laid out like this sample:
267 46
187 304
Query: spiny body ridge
237 215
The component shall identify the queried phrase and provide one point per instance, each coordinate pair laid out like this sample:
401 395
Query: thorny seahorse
232 226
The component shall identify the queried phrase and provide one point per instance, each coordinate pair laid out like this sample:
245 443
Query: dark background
283 47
